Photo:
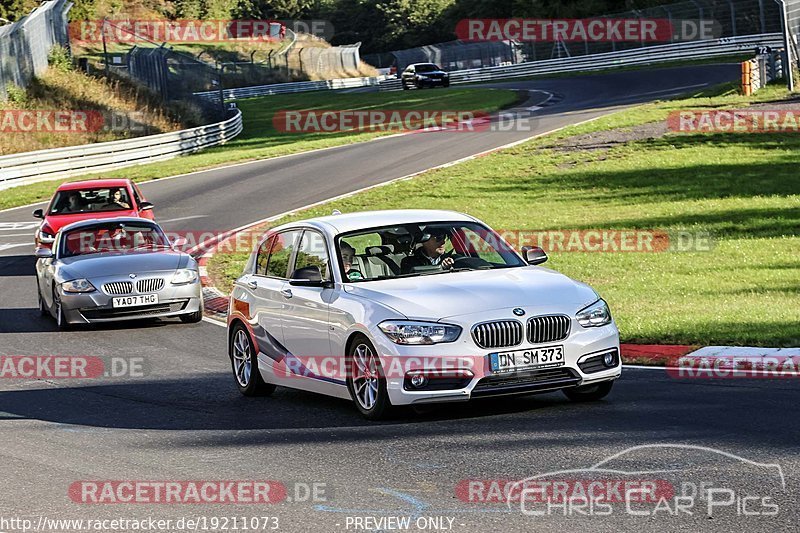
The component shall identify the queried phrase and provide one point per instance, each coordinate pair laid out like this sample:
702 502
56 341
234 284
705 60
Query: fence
640 56
26 44
734 18
43 165
453 55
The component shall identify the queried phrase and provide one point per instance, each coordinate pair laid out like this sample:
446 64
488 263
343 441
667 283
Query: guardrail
59 163
293 87
623 58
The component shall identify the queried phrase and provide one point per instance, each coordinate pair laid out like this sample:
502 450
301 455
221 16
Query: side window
263 257
281 253
313 252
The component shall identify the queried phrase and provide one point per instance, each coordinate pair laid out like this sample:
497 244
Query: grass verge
260 140
742 189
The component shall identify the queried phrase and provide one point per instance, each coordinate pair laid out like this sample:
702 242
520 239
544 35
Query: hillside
92 110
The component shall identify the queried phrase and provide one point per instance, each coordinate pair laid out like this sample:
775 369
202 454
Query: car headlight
408 332
183 276
594 315
78 285
46 235
421 77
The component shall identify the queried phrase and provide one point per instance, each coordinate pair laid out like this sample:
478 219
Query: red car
82 200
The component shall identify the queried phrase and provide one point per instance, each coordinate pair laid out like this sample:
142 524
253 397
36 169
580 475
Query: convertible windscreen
91 201
422 249
112 237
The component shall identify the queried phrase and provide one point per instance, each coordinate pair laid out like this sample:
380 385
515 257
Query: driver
348 258
430 253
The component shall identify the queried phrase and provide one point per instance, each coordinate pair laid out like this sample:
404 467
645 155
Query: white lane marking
164 221
214 321
670 90
533 108
9 246
19 235
11 226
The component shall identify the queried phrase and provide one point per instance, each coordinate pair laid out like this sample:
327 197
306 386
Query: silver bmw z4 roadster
116 269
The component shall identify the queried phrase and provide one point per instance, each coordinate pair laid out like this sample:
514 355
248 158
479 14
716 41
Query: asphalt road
182 418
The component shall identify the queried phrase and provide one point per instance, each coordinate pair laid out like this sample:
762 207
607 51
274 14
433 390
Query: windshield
112 237
91 201
426 67
422 249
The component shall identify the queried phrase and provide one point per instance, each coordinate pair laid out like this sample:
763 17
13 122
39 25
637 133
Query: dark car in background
421 75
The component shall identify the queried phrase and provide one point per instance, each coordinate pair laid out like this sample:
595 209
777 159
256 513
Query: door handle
286 293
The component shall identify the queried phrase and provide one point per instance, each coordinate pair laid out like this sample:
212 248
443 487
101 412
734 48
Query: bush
16 95
60 59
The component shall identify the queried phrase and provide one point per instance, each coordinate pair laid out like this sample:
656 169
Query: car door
305 321
266 283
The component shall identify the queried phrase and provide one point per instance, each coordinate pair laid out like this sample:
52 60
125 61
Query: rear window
91 201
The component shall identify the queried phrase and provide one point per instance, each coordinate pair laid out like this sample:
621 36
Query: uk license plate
542 357
135 300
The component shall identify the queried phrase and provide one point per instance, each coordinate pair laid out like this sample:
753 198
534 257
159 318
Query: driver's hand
447 262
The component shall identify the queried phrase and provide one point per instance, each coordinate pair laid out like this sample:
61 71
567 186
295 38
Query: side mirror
43 253
38 213
180 242
534 255
309 276
144 206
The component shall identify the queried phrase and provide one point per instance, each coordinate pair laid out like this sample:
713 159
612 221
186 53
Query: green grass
260 140
744 189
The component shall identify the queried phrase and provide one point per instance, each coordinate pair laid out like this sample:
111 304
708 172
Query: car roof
347 222
92 221
93 184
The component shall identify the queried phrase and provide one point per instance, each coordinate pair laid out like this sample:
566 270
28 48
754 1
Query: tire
245 365
58 311
366 382
192 318
589 393
405 86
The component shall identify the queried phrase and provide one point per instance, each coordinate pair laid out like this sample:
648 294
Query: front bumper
464 373
96 306
433 82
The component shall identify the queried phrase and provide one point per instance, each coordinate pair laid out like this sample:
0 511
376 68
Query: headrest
372 251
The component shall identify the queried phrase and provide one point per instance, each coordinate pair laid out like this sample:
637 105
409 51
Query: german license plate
134 301
543 357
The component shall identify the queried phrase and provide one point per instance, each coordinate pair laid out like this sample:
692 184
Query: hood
439 296
112 264
56 222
